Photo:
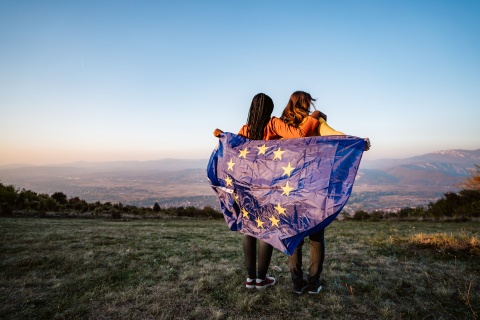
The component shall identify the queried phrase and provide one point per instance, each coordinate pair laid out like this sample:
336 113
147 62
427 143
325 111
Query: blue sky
145 80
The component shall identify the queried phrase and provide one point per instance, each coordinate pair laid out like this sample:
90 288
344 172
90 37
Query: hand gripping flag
281 191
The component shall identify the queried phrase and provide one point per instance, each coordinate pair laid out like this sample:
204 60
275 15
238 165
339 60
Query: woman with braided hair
262 126
296 114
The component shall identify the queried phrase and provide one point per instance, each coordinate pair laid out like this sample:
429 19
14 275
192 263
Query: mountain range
387 184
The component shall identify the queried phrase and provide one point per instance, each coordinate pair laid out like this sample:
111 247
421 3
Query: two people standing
262 126
296 122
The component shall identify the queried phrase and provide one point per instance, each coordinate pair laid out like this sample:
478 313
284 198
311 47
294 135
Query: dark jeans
317 255
264 256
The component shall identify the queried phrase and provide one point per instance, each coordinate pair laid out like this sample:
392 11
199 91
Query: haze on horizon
103 81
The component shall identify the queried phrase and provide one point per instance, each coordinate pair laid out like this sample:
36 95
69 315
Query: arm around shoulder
308 128
325 130
287 131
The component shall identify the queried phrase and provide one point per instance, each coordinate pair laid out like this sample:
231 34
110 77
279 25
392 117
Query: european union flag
281 191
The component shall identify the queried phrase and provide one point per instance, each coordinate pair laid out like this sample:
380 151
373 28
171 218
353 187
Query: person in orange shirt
296 114
262 126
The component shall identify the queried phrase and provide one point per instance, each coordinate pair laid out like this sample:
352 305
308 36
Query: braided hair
258 116
298 107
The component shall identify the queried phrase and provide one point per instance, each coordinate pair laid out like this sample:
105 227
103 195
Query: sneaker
250 284
262 284
315 289
298 288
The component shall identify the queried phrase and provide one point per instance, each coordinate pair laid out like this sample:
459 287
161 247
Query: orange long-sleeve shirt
323 129
277 129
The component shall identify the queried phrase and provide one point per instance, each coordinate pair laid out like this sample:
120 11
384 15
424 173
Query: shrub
6 209
60 197
209 212
8 194
377 215
116 214
462 204
472 182
98 210
361 215
391 215
344 215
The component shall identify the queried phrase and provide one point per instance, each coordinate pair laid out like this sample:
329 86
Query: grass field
193 269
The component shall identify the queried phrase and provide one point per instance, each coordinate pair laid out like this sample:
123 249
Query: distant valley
387 184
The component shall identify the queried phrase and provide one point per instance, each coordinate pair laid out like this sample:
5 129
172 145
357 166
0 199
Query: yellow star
245 213
278 154
243 153
259 223
274 220
228 180
262 149
287 189
235 197
280 209
230 164
287 170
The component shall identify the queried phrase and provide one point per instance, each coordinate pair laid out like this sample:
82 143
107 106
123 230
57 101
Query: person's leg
264 256
296 272
250 255
317 256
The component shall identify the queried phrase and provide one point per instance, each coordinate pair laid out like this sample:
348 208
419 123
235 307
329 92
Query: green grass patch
190 269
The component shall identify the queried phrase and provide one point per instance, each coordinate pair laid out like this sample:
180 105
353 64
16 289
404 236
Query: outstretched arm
217 132
367 146
325 130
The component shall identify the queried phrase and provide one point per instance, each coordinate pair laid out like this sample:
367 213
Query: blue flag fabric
281 191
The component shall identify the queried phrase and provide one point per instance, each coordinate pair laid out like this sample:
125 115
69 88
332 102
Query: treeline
13 200
463 205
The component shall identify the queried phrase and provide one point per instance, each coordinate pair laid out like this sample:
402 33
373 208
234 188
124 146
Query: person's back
278 129
295 114
261 126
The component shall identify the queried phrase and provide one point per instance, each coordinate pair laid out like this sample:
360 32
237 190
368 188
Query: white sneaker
250 284
315 290
262 284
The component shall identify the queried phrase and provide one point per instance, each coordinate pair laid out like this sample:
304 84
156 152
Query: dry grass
454 244
191 269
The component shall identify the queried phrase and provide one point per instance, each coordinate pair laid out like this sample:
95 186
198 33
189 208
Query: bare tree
472 182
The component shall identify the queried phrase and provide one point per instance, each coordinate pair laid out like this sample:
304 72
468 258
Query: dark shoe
262 284
250 283
314 289
298 288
